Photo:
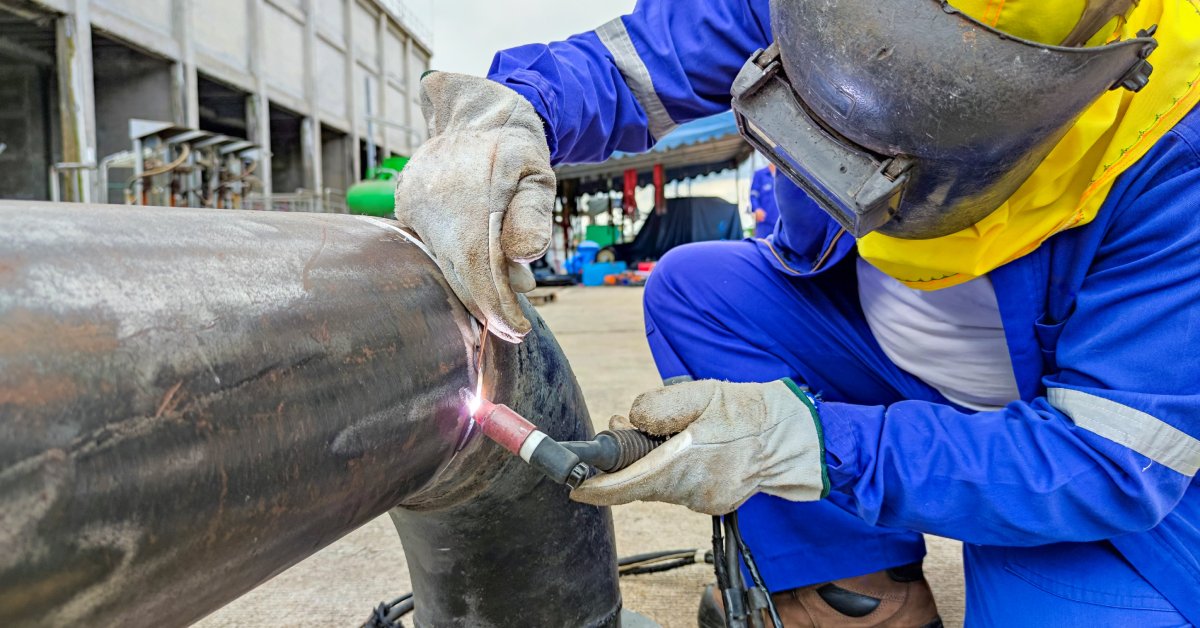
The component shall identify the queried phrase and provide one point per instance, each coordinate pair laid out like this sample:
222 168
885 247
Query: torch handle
614 450
632 445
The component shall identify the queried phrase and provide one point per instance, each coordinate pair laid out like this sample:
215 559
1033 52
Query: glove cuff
810 403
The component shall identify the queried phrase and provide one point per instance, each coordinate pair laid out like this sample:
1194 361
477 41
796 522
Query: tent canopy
688 219
697 148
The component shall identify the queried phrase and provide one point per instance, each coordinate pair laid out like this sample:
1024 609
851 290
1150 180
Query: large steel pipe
192 401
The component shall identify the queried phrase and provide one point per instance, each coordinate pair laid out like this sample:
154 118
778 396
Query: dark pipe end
483 580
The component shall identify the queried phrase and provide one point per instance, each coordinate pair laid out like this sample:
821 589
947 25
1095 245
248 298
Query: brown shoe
893 598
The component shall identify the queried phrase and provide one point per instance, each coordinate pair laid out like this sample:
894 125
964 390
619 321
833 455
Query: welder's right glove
480 194
731 441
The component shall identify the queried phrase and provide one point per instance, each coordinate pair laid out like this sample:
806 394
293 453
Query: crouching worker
978 317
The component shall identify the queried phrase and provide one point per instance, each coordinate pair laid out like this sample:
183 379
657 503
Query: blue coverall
762 197
1077 502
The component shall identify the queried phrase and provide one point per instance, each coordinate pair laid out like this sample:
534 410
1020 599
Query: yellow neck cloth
1069 187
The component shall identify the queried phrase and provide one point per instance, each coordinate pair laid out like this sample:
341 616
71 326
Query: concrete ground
601 331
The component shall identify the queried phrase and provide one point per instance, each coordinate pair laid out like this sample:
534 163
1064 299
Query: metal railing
329 201
78 183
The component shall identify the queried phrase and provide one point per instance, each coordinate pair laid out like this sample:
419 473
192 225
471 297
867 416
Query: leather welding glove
480 194
731 441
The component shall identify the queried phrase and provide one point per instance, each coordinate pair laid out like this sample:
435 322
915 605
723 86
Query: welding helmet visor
910 117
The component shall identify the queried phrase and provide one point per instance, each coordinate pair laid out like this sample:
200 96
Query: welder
978 316
762 201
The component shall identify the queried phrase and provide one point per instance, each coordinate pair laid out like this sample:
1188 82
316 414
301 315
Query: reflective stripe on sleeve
1141 432
615 37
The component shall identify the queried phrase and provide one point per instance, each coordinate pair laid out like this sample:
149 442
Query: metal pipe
191 401
119 158
139 166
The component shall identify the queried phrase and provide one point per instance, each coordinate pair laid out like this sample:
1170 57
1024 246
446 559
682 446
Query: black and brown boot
892 598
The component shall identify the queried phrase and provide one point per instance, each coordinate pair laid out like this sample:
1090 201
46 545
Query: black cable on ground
656 562
388 614
659 567
379 618
400 610
650 556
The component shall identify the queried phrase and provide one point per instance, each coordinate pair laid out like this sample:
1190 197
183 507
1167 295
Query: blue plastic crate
594 274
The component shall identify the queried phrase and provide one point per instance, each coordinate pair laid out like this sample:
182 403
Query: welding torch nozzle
564 462
522 438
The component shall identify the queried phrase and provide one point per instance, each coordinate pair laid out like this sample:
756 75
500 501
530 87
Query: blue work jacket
1102 321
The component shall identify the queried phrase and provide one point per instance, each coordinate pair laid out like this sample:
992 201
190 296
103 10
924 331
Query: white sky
467 33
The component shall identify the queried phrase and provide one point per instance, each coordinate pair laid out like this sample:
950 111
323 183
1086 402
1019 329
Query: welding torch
569 463
566 462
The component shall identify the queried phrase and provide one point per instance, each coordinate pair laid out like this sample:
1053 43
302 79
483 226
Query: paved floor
601 332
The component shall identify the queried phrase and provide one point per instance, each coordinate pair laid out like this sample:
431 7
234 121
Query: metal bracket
748 82
1139 73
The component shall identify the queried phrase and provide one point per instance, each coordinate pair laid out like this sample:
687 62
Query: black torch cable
737 584
719 555
752 567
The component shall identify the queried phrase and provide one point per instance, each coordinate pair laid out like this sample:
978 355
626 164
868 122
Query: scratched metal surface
192 401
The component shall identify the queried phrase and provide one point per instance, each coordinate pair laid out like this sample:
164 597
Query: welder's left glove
731 441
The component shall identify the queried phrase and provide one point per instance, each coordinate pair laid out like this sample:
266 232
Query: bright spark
475 400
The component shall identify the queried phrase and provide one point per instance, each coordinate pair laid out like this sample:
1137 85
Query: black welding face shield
909 117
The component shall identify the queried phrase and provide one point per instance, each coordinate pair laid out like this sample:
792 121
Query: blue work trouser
719 310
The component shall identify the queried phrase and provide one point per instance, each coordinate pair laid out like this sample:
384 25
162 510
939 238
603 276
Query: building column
185 82
310 127
352 89
381 108
412 86
310 145
76 100
258 105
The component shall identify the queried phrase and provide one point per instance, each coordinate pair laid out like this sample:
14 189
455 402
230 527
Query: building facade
322 88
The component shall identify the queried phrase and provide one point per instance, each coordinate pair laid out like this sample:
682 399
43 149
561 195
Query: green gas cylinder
375 196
